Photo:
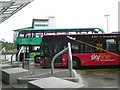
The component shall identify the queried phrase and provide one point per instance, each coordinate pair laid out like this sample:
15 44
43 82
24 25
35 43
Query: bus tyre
37 59
76 62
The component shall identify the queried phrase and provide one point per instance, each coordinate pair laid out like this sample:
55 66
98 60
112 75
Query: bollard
28 64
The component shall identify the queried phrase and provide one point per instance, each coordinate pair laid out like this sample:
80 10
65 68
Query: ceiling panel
10 7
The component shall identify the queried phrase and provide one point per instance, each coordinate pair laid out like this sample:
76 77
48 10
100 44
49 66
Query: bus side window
21 35
111 45
28 35
75 48
119 46
81 48
99 46
88 48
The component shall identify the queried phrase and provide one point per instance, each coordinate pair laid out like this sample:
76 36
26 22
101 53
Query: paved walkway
93 78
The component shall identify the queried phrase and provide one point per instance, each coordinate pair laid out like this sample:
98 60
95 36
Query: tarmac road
100 78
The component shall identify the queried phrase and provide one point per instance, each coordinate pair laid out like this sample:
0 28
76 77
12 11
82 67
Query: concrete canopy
10 7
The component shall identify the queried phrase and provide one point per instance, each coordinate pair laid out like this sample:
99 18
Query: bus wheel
37 59
76 62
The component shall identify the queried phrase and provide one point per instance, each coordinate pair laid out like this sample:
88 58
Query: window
38 35
35 48
27 49
111 45
21 35
15 35
88 48
81 48
119 46
75 48
28 35
99 45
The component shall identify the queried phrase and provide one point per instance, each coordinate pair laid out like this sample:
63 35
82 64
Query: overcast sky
68 13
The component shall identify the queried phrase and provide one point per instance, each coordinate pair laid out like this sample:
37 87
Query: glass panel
8 12
75 48
36 48
119 46
28 35
21 35
111 45
15 6
11 9
15 35
88 48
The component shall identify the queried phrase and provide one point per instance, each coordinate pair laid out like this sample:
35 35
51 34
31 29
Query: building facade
49 21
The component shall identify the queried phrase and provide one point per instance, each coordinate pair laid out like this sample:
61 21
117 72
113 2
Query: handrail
3 50
22 48
53 59
12 57
69 59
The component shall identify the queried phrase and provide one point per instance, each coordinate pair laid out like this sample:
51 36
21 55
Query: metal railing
70 65
22 49
12 57
3 50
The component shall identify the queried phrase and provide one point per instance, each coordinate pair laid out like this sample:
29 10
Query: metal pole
3 50
0 52
5 53
70 64
12 59
53 59
24 58
107 22
19 54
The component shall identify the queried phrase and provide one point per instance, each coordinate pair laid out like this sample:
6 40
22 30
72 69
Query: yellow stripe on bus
97 47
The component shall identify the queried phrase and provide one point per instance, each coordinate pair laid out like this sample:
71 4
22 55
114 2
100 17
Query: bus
87 50
31 38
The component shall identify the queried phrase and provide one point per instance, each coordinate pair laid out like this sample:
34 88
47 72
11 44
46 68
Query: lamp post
107 22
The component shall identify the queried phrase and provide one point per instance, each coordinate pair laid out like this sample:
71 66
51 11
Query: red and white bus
87 50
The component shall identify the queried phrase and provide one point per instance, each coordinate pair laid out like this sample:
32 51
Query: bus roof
96 30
